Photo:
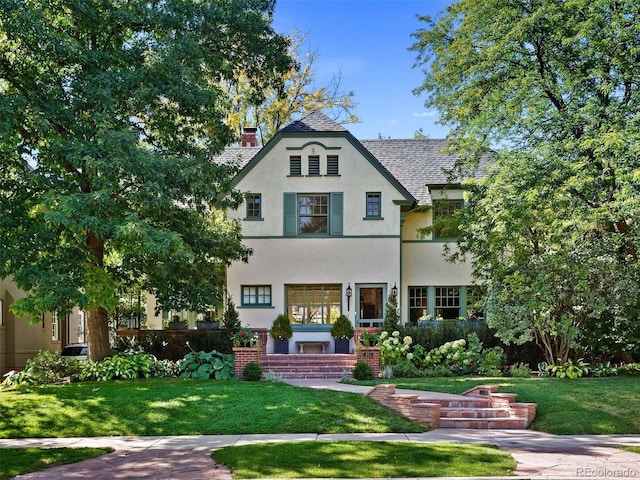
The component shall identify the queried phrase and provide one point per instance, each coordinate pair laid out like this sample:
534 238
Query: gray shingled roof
242 155
314 122
413 163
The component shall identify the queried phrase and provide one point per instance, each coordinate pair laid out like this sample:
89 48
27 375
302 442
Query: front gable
329 170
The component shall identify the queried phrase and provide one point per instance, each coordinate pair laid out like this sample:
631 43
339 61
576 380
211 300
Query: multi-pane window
447 302
418 304
314 165
256 295
444 223
313 213
332 165
374 204
254 205
295 166
313 304
55 327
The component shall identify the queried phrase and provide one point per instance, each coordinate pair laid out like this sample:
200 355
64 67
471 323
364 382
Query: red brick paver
194 464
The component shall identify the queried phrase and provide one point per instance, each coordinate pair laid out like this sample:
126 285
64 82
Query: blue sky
367 40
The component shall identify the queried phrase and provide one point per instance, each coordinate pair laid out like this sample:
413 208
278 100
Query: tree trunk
98 345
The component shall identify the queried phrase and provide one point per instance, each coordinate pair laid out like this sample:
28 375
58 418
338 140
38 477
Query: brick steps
484 408
308 366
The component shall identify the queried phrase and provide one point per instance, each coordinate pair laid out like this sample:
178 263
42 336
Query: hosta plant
206 365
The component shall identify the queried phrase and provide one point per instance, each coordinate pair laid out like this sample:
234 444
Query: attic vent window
314 165
332 165
295 166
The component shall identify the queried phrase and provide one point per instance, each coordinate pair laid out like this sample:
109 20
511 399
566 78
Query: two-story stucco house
333 222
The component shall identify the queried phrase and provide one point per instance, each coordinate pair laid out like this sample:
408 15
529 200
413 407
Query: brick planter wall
244 355
371 355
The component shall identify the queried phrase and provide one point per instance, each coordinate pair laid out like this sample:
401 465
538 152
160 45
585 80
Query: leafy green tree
551 89
111 114
297 95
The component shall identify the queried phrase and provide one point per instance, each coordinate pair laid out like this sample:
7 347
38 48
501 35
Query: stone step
486 413
478 412
464 403
484 423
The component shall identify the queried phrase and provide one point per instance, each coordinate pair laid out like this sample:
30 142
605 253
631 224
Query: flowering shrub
394 350
493 363
460 357
244 337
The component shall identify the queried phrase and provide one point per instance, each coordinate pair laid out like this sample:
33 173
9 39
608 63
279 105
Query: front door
370 303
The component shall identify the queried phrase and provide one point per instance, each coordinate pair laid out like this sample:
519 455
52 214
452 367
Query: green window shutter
290 215
337 213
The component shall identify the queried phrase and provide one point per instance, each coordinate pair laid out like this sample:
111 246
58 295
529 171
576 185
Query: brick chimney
248 137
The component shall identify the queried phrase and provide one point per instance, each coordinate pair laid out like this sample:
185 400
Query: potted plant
281 332
342 332
208 322
177 324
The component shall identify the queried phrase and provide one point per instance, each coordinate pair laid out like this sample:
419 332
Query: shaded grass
362 459
173 406
18 461
630 448
564 406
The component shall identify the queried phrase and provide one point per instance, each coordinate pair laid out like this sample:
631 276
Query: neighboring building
333 222
21 340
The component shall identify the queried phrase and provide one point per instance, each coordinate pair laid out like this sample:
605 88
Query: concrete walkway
539 455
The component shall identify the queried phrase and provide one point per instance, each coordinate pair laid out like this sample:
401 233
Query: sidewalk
539 455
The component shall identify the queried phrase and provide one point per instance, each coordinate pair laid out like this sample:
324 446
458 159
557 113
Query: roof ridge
315 121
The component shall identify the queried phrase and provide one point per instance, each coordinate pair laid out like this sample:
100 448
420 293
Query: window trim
311 203
325 289
295 166
431 301
257 304
313 166
369 216
446 296
423 298
248 198
333 166
291 214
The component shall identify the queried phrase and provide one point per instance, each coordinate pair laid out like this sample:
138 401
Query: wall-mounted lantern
349 292
394 290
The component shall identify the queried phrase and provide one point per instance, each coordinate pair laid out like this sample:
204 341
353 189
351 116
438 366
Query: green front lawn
364 460
564 406
174 406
